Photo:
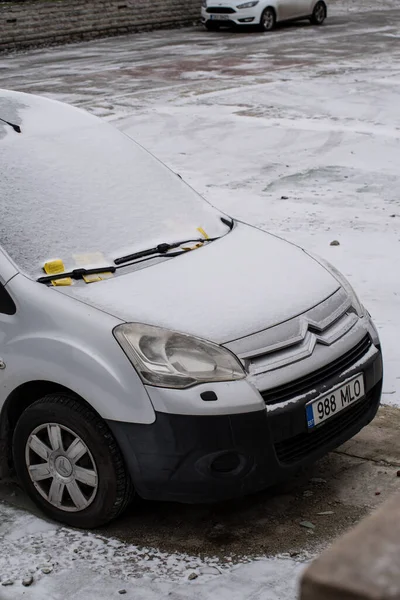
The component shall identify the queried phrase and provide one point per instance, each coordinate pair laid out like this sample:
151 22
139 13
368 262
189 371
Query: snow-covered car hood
242 283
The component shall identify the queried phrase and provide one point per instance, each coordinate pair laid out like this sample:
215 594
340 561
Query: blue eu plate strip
310 416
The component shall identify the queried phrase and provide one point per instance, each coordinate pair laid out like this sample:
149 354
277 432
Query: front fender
56 338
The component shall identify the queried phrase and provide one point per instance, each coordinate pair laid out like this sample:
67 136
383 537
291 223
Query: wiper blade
82 272
76 274
16 128
161 249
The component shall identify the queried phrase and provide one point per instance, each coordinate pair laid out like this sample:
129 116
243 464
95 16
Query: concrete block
364 564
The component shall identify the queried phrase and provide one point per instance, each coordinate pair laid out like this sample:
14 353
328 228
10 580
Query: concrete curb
362 565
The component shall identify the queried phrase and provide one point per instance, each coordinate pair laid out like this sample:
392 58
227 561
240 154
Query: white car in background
265 13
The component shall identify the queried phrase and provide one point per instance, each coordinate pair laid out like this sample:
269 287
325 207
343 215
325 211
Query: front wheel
319 14
69 463
268 19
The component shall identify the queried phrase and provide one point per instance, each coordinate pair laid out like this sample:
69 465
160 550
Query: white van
149 343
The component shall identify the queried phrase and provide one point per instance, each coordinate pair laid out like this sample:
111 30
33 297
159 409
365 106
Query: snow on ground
356 6
297 132
77 565
309 152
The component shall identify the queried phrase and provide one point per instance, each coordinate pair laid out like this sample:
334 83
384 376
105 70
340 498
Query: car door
7 310
7 316
293 9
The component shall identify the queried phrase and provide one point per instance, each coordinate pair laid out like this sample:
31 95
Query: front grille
309 382
300 446
220 10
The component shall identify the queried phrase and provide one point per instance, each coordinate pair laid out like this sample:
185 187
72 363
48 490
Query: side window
7 306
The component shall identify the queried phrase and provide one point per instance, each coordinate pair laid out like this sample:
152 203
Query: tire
210 26
319 14
268 19
95 474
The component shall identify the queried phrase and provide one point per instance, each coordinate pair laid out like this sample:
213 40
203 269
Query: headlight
248 4
360 310
174 360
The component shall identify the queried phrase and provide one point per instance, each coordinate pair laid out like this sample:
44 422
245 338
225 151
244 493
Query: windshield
75 189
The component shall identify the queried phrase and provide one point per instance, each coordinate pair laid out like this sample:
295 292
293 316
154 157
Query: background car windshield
86 193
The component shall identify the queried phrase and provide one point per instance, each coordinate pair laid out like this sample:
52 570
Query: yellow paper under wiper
92 257
55 267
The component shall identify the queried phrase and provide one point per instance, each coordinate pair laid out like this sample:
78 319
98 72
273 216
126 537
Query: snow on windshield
73 188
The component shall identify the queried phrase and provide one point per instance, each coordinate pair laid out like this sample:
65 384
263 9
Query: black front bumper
210 458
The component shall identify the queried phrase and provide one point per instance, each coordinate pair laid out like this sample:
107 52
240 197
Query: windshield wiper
165 247
76 274
16 128
161 249
82 272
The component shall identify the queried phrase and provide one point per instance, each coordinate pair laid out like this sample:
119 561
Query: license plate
219 17
334 401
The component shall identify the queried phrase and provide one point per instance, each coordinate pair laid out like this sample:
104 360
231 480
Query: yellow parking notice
64 281
92 258
97 277
54 267
201 230
199 244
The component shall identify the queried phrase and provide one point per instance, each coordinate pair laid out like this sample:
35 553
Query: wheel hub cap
61 467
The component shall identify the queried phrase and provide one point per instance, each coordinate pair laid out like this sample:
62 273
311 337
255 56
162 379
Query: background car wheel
268 19
210 26
319 14
69 462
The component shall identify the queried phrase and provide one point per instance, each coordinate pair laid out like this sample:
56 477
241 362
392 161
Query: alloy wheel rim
319 13
61 467
268 20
